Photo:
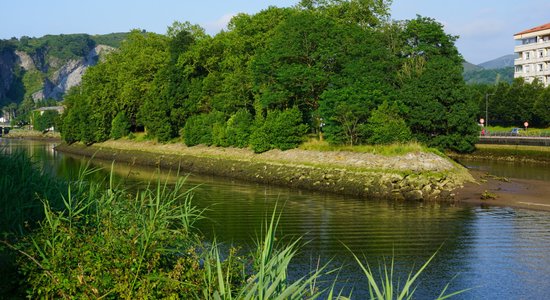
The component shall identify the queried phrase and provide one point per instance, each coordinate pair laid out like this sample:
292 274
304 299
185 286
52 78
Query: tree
45 120
120 126
199 128
281 129
431 86
542 108
365 13
239 128
386 126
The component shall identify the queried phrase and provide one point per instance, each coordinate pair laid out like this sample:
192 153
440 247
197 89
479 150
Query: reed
107 242
22 186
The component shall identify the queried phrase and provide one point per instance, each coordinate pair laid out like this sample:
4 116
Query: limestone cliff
69 75
47 67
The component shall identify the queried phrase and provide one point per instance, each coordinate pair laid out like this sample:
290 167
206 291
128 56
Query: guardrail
521 133
515 140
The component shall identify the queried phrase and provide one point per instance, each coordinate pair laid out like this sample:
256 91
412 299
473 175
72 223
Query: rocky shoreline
413 176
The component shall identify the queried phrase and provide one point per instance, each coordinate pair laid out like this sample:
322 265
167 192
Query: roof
535 29
58 108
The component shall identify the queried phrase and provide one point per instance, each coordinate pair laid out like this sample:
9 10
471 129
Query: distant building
533 50
59 109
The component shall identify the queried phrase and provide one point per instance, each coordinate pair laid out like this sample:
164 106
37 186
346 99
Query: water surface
500 252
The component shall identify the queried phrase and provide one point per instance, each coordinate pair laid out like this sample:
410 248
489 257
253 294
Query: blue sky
485 27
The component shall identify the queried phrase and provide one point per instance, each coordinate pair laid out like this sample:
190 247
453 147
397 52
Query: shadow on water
501 252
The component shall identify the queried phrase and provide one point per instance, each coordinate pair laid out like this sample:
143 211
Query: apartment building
533 50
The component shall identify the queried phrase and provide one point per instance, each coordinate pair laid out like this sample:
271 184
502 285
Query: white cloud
218 25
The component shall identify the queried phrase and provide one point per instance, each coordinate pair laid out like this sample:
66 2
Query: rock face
7 64
57 76
69 75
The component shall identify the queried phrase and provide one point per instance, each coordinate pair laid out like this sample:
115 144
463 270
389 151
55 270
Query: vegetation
105 242
388 150
321 67
48 54
45 120
489 76
511 104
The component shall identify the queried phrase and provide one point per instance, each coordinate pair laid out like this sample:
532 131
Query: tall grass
22 186
387 150
107 242
269 279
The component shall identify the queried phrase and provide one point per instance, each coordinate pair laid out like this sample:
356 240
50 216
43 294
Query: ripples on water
502 253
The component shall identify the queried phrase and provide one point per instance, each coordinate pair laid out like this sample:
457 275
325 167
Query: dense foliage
321 67
46 120
489 76
511 104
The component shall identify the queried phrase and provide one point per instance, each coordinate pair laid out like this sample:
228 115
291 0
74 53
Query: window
527 68
540 67
541 53
526 55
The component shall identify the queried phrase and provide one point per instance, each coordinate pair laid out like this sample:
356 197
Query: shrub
386 126
120 126
281 129
199 128
238 128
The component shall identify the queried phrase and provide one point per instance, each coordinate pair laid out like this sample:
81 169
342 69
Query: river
502 253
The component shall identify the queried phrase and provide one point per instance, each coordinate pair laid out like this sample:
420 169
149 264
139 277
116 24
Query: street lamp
487 108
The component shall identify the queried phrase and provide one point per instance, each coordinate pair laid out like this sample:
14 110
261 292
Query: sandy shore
518 193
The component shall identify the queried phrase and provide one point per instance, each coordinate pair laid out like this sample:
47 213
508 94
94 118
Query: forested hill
490 72
35 69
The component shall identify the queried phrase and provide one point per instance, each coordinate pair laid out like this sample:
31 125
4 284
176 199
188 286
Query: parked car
515 131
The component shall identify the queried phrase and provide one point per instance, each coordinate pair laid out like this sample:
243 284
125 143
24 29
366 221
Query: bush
281 129
199 128
120 126
238 129
386 126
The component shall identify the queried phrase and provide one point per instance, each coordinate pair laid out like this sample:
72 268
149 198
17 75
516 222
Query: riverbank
508 153
33 135
411 176
490 190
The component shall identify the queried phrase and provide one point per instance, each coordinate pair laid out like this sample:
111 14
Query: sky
485 27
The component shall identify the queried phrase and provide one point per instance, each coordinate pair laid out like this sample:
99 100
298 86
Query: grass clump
386 150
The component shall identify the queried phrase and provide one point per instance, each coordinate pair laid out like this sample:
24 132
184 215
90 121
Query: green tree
541 108
45 120
281 129
120 126
439 112
239 127
199 128
386 126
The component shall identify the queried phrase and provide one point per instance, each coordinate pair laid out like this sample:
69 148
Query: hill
499 63
46 67
498 69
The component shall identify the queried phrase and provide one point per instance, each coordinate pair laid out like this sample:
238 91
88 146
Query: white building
533 50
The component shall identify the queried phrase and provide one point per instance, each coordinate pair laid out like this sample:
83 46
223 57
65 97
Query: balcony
532 46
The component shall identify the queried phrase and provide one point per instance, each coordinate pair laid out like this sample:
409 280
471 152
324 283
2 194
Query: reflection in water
510 169
501 252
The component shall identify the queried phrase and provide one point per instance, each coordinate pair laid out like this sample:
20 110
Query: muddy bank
489 190
414 176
